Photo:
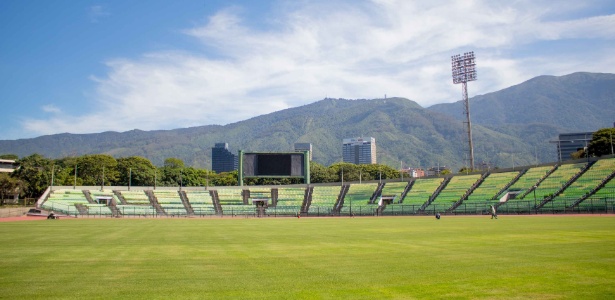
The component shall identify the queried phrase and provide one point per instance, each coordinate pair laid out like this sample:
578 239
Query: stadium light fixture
464 70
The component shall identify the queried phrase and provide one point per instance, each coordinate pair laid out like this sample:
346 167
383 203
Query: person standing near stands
493 213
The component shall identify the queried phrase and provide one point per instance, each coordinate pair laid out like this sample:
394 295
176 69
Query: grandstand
201 202
323 199
290 197
359 195
135 197
421 191
486 193
232 203
170 202
65 201
555 182
98 207
573 187
398 206
137 204
289 201
456 188
528 180
586 183
230 196
137 210
602 201
395 189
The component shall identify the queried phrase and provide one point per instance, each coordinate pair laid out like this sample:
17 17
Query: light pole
53 168
180 179
512 158
129 178
206 176
464 70
75 182
535 204
103 180
586 149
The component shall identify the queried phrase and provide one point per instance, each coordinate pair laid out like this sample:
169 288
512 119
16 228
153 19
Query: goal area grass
537 257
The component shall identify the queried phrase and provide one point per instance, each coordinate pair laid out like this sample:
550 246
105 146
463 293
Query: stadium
104 102
304 241
585 186
427 237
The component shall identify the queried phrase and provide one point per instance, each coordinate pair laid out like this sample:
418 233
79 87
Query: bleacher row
581 186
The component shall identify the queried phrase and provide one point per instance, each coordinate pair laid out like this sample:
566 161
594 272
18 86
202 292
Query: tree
192 177
321 174
136 171
378 171
9 156
171 172
173 163
65 172
578 154
9 186
226 178
92 167
602 142
467 170
35 171
354 172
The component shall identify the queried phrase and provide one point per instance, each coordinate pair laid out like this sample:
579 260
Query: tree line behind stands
35 173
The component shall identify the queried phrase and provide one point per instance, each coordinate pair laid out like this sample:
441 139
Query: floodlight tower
464 70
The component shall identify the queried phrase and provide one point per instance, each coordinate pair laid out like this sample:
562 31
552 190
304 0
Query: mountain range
510 127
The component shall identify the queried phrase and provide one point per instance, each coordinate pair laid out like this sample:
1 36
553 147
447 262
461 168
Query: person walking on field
493 213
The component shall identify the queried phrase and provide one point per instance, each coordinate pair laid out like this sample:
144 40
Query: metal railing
512 207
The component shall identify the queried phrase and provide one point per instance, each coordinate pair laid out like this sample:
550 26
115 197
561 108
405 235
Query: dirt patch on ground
22 218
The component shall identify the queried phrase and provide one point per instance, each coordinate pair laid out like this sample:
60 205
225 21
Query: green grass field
310 258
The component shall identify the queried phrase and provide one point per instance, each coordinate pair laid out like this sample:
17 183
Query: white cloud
50 108
349 50
96 12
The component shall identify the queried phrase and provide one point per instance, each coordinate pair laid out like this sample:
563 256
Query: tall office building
568 143
223 160
359 150
300 147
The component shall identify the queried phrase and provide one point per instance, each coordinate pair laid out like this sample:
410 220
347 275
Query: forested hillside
512 126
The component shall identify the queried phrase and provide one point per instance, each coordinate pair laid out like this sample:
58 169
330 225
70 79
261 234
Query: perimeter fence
513 207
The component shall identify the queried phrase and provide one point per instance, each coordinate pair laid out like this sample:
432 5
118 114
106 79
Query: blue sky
93 66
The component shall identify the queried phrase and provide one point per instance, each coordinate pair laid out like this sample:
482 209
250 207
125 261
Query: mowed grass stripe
310 258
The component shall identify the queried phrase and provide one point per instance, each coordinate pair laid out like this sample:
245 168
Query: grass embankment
355 258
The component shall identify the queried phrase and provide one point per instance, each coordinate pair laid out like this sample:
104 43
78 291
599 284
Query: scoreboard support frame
306 167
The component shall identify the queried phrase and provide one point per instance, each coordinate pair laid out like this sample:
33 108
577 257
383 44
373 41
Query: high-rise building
568 143
222 159
359 150
300 147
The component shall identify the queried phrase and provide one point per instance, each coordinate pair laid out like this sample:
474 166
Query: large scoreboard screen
273 164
